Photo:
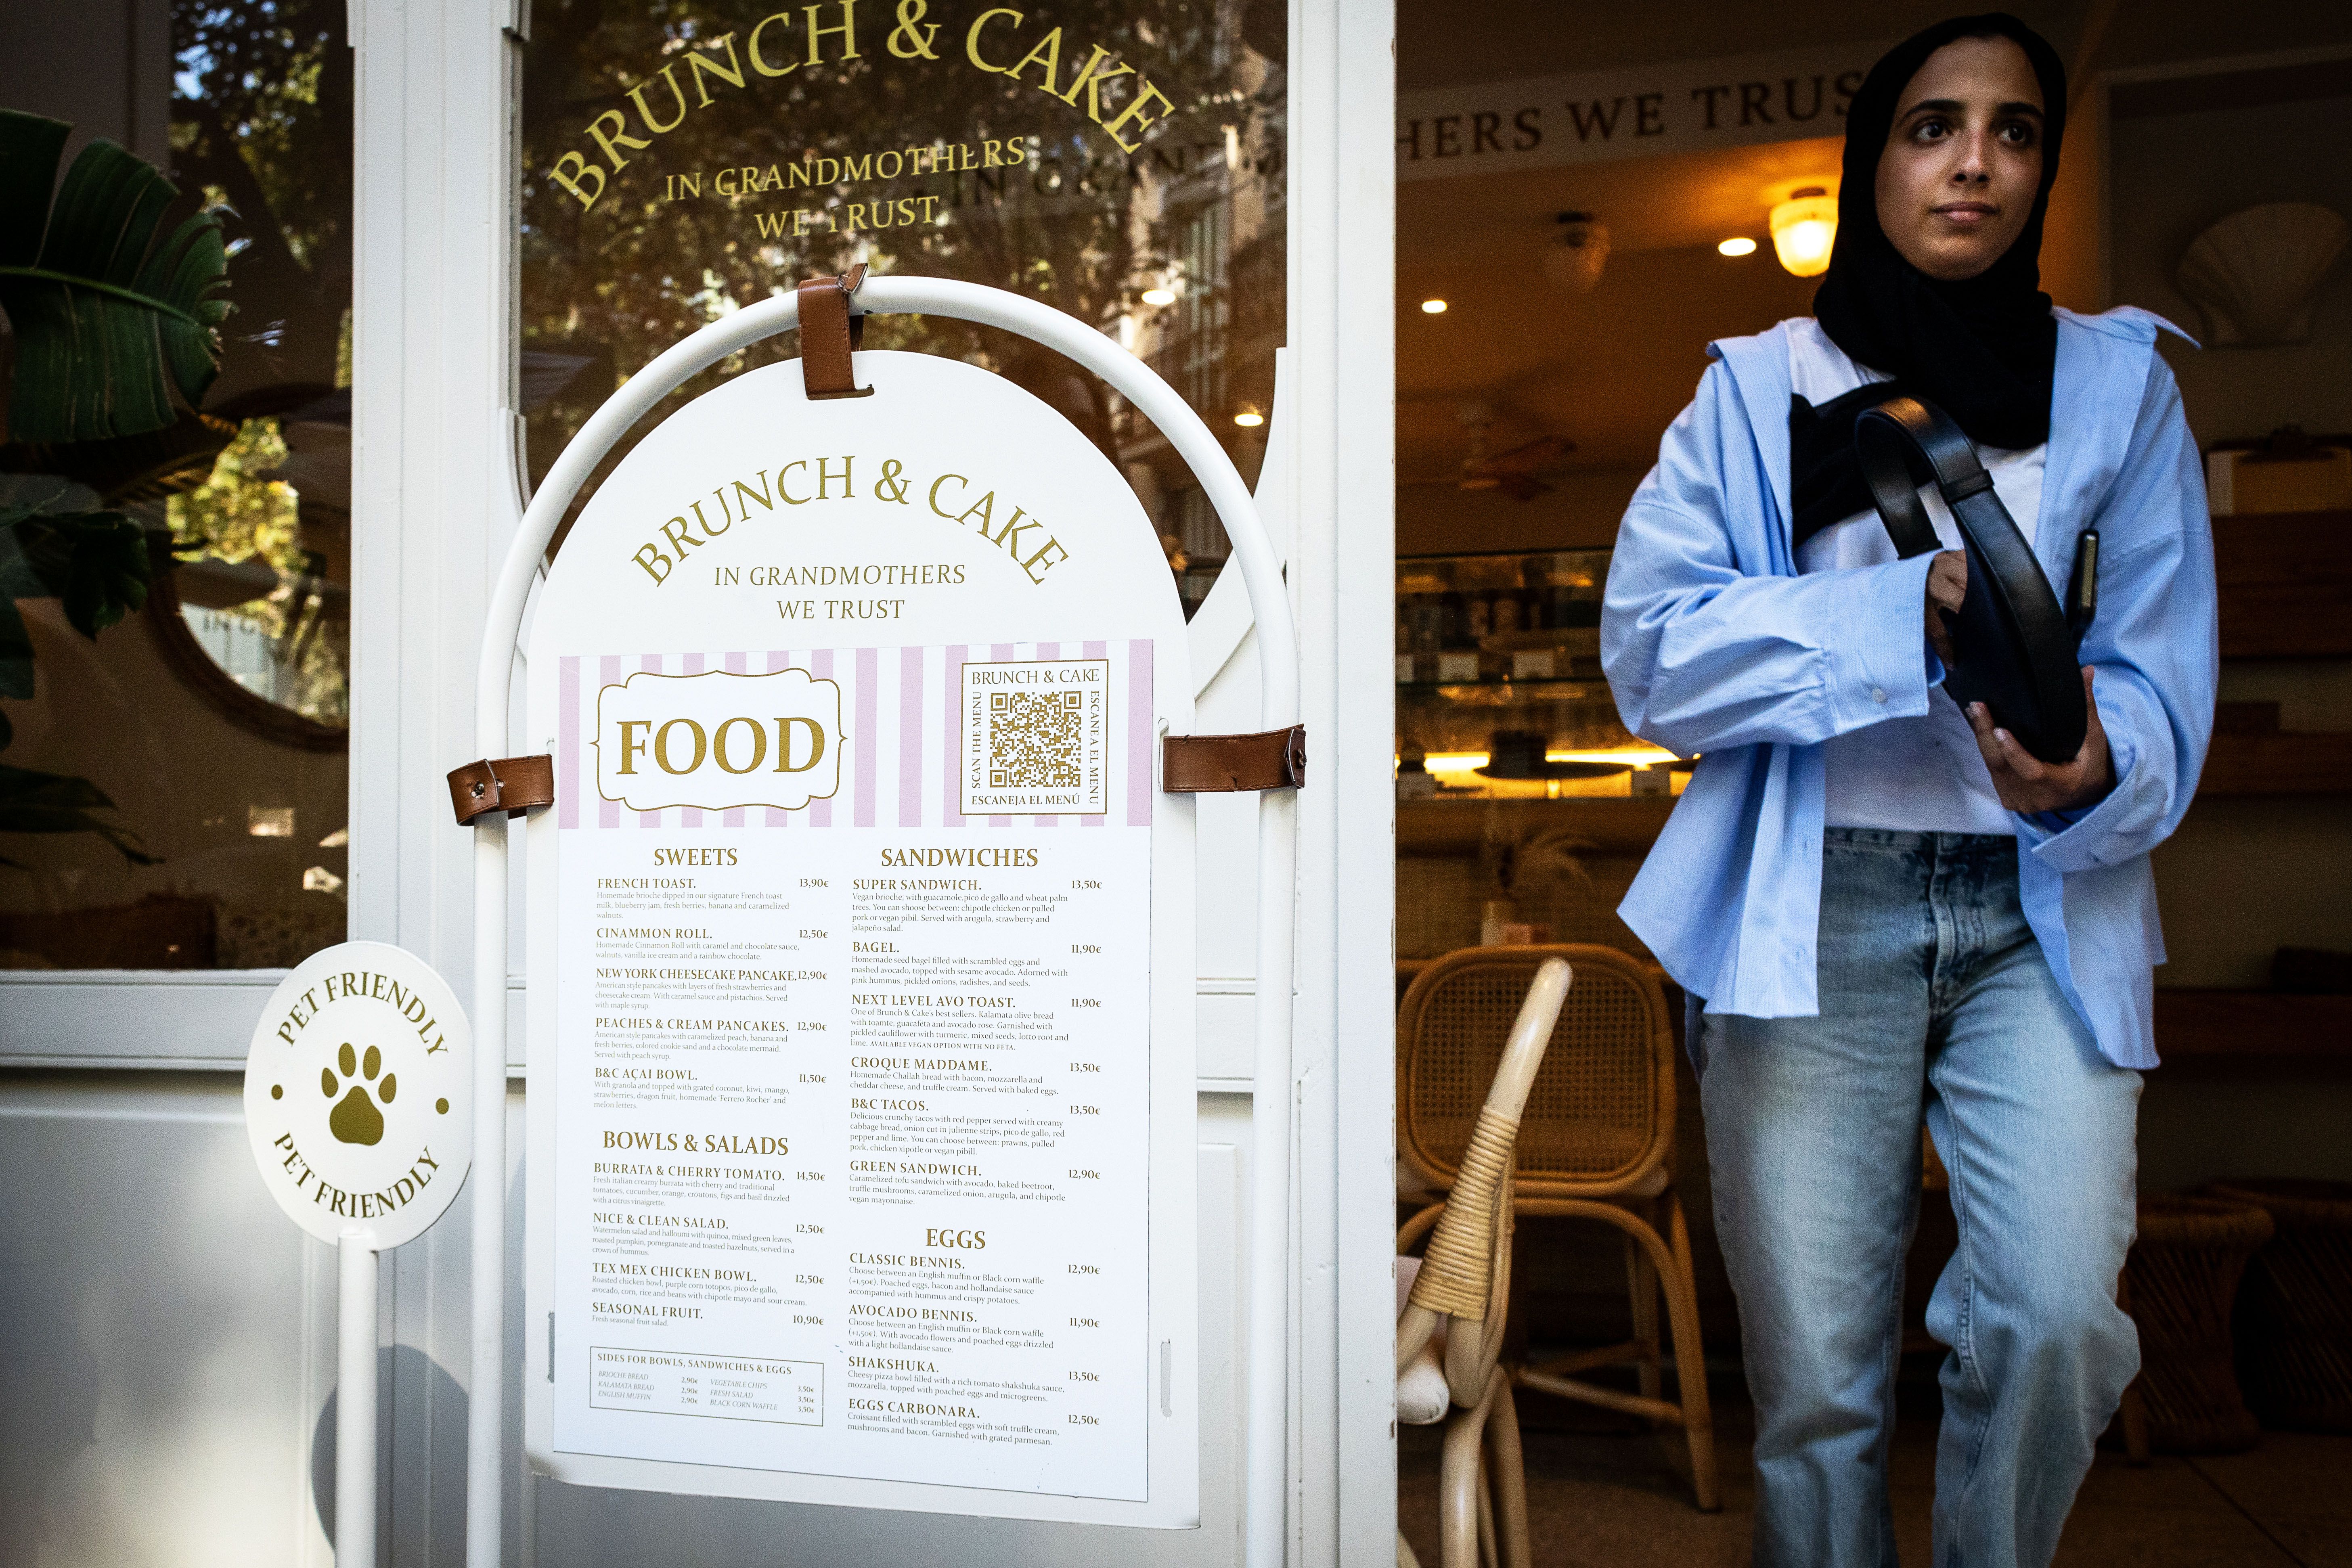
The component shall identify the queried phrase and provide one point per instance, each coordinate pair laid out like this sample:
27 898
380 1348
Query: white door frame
436 497
1342 340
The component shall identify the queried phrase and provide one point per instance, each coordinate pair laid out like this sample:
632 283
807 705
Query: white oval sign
359 1094
863 1125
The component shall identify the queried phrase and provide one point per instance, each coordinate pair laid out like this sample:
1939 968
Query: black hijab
1982 349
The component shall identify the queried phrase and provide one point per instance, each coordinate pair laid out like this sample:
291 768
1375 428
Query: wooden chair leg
1690 1361
1642 1283
1488 1556
1458 1485
2135 1417
1510 1471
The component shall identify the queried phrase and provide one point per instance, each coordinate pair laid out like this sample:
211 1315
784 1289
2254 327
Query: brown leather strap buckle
511 784
1225 764
829 335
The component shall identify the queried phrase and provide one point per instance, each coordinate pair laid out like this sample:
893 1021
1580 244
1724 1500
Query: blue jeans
1935 1002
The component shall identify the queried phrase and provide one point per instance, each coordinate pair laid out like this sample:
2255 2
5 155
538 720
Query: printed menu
852 1080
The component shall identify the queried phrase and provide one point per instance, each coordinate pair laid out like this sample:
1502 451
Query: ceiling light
1249 419
1577 253
1432 307
1804 231
1738 245
1159 296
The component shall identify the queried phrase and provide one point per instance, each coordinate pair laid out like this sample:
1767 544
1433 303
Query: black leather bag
2014 648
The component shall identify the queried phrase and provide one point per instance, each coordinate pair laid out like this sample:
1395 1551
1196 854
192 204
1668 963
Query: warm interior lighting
1738 245
1432 307
1159 296
1249 419
1804 230
1627 756
1635 756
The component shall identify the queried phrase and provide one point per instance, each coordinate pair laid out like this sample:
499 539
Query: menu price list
867 1111
737 1387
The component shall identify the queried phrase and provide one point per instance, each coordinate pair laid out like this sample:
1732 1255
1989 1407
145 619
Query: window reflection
1120 162
177 784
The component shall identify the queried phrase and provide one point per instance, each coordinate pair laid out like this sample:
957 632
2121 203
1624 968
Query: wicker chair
1593 1141
2295 1311
1463 1289
2180 1285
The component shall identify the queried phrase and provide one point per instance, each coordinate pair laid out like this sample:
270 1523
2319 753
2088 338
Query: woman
1883 908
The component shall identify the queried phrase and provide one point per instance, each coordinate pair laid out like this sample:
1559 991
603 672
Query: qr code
1035 739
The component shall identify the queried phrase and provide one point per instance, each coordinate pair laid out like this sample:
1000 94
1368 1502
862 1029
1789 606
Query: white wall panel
166 1336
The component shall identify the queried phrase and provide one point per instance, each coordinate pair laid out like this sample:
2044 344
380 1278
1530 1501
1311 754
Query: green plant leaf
109 325
36 801
99 564
18 581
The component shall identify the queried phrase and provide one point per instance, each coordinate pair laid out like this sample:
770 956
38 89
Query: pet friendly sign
358 1097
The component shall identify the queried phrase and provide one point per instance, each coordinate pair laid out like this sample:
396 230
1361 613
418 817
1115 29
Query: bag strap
1893 441
1903 434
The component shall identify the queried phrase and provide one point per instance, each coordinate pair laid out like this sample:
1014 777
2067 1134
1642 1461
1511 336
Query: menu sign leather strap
511 784
1225 764
829 335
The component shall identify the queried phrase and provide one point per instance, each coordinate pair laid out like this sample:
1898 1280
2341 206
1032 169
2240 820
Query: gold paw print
356 1120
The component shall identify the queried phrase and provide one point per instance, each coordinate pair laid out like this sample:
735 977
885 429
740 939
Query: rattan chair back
1465 1274
1599 1117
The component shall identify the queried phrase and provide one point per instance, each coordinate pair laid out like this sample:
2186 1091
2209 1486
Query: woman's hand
2026 783
1948 585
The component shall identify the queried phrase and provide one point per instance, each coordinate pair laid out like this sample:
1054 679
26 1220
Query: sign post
359 1107
864 994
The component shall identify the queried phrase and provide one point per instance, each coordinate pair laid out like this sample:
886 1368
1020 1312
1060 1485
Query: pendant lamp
1804 230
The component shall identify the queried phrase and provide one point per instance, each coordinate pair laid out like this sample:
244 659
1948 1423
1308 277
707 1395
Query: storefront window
174 788
1122 162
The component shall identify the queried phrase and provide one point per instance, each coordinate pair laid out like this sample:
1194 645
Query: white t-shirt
1924 774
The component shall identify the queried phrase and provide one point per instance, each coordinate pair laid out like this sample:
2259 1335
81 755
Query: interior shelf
2277 762
2243 1024
2284 579
1617 824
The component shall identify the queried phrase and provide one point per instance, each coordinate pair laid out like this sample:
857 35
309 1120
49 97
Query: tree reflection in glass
1123 162
190 758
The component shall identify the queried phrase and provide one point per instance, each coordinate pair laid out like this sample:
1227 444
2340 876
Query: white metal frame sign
862 1039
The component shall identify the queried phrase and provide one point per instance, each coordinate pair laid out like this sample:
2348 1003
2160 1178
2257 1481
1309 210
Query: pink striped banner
916 761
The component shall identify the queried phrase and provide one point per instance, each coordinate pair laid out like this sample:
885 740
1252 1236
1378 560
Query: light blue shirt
1715 644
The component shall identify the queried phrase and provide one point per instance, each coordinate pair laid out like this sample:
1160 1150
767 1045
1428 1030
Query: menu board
863 1055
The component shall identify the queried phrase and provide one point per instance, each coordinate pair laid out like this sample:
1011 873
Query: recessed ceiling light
1432 307
1249 419
1738 245
1168 296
